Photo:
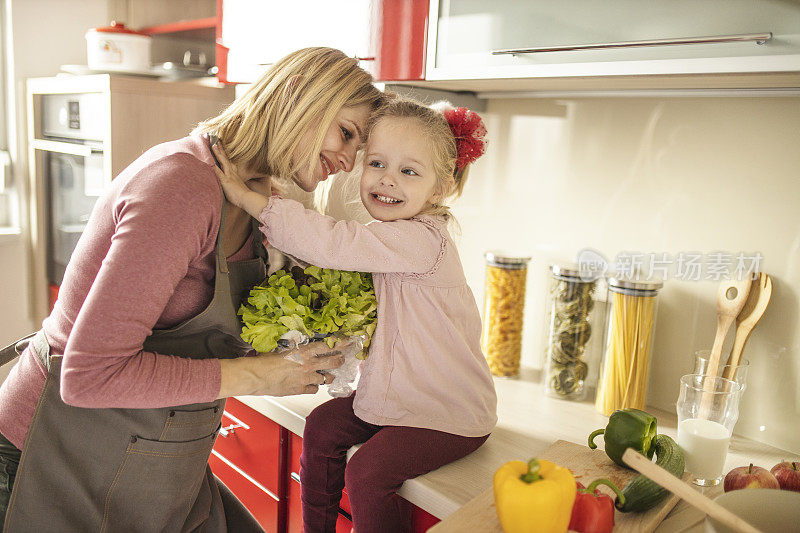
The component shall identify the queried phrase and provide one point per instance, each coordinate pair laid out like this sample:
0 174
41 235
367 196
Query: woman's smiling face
342 139
399 179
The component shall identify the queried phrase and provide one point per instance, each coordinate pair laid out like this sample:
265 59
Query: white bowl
770 510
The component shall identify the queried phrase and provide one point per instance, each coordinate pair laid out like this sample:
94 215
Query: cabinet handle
225 430
759 38
231 429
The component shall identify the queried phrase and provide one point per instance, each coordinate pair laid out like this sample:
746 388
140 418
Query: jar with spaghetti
629 341
570 316
504 300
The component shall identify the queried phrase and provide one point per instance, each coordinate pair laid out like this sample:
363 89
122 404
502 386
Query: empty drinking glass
707 411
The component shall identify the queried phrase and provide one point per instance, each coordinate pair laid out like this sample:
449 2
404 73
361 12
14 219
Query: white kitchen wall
704 174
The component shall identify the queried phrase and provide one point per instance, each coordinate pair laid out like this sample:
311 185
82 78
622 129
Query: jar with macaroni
628 345
504 302
571 319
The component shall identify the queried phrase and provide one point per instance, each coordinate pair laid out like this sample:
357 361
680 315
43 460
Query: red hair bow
469 131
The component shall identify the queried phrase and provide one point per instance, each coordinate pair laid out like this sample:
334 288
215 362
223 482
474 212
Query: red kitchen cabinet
251 441
261 503
402 40
246 457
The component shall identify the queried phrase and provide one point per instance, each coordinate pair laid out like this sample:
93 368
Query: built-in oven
82 132
71 144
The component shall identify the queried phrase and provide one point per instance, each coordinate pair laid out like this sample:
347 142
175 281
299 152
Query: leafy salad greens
316 301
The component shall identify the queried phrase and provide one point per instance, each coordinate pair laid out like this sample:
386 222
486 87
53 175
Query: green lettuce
318 302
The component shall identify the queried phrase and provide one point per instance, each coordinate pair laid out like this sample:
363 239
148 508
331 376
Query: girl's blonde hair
302 92
449 179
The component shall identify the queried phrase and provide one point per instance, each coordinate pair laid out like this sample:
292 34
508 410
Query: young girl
425 397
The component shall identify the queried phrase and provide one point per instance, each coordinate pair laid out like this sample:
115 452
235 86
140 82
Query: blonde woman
116 401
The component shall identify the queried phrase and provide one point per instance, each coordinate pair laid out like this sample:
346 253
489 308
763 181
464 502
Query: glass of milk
707 411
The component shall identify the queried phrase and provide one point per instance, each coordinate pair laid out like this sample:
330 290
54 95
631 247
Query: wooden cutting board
480 515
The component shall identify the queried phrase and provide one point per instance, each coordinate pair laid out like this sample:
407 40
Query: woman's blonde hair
302 92
449 179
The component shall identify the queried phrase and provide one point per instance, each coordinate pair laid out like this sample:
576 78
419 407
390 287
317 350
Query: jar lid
118 27
648 285
506 261
569 270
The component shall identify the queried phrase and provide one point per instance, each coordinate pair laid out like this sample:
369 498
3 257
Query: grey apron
136 469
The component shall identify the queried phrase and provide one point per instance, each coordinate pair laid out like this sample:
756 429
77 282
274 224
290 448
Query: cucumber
641 493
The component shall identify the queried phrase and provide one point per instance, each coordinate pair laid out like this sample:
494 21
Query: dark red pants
390 455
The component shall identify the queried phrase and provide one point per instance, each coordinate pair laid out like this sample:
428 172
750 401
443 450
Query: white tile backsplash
653 175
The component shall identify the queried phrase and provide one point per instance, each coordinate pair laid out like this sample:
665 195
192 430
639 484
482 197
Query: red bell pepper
593 511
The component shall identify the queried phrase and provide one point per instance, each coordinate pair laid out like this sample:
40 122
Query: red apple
788 475
750 477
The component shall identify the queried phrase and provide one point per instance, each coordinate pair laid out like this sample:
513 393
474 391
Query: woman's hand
235 186
274 375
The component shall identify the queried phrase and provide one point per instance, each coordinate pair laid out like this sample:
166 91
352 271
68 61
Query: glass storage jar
628 345
570 317
504 300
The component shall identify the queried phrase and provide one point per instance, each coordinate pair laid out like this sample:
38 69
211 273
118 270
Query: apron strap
15 349
259 250
222 262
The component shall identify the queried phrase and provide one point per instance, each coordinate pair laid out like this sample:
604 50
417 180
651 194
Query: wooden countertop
528 422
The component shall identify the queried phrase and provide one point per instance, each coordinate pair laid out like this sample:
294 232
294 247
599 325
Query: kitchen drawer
250 441
252 494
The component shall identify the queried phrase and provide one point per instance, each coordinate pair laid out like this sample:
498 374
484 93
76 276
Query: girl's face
339 146
399 179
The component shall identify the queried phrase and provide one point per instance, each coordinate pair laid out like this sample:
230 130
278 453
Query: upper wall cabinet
257 33
387 36
516 40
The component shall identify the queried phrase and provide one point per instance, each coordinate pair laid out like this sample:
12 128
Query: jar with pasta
504 301
570 317
628 346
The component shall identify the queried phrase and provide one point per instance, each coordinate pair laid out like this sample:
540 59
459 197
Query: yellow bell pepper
536 496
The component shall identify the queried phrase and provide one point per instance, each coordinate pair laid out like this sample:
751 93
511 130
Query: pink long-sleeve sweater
425 367
146 260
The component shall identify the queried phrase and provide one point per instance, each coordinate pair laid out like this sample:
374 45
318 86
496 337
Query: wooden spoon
731 297
684 491
753 310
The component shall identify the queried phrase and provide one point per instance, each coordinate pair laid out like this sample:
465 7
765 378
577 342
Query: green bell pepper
627 428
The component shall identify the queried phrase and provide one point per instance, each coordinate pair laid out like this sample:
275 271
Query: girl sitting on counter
425 397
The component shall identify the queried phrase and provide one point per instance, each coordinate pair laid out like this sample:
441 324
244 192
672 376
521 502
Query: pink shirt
146 260
425 367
